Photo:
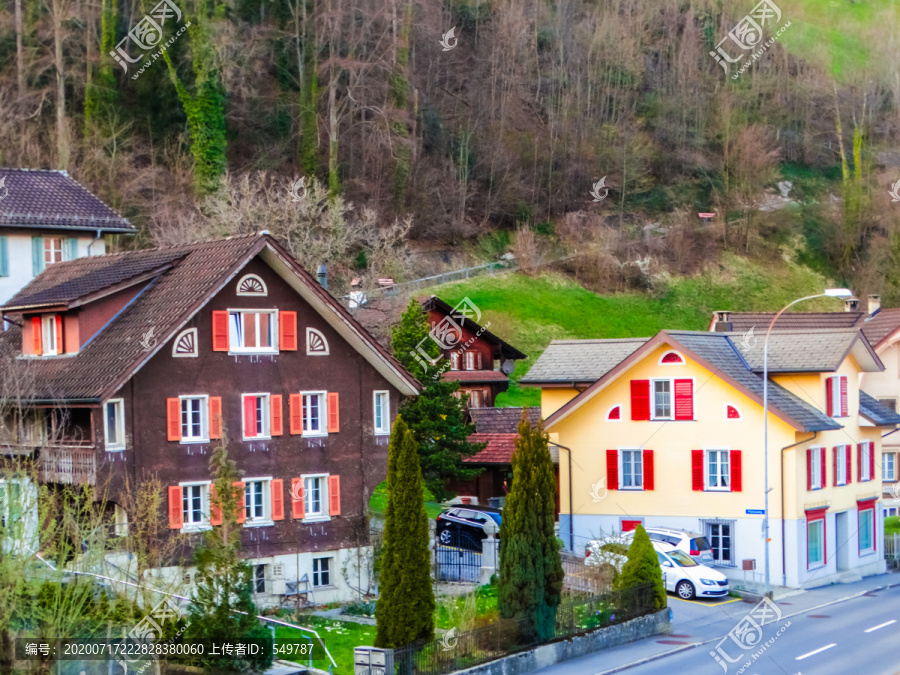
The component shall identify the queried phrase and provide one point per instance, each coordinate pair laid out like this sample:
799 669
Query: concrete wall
576 647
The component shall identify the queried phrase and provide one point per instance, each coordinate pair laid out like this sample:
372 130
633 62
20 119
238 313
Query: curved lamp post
829 293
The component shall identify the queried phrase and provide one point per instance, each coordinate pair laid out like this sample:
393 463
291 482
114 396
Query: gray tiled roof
875 327
875 411
53 199
813 350
580 360
720 352
501 420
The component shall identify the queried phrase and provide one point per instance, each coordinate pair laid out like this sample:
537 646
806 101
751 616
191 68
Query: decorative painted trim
617 410
251 284
680 362
185 344
316 344
732 412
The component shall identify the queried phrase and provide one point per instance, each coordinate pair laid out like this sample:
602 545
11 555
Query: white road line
820 649
881 625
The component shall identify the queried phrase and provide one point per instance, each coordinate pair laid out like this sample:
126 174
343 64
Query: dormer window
47 335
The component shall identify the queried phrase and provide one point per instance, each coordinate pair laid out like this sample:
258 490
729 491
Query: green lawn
378 502
529 312
340 637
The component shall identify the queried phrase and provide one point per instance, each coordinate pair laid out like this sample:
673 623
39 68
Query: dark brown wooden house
157 356
479 360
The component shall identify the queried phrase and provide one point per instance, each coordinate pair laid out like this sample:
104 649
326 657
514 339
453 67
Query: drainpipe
99 237
571 514
783 554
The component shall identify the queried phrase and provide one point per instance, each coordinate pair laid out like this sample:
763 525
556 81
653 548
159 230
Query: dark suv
463 526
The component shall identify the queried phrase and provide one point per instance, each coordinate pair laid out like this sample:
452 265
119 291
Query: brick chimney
874 304
851 305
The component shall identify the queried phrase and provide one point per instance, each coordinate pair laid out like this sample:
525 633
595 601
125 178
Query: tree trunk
20 51
62 129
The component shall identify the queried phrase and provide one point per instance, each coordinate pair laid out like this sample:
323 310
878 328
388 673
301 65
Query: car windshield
700 544
681 559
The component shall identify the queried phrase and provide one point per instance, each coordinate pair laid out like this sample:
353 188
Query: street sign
755 512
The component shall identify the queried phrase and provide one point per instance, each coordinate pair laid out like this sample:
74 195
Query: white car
693 544
682 575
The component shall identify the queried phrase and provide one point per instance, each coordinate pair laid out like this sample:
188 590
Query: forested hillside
408 144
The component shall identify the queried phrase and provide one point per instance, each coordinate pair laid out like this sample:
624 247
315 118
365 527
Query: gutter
571 514
99 237
783 554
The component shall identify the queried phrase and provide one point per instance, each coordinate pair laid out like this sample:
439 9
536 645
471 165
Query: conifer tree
408 340
531 573
642 567
405 609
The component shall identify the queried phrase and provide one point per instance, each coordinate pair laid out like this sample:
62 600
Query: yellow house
668 431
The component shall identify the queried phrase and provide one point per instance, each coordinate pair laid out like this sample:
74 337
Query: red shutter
859 452
242 502
250 417
834 464
59 335
334 495
276 422
176 516
871 460
849 450
173 419
215 512
629 525
295 414
333 413
220 331
648 469
697 470
612 469
640 399
277 499
287 323
36 335
809 484
823 479
478 360
684 399
844 405
215 417
829 396
737 475
297 498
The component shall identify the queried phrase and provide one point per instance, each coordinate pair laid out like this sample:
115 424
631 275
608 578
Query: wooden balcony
70 464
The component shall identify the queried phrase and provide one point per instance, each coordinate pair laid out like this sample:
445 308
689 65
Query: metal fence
892 549
583 578
508 636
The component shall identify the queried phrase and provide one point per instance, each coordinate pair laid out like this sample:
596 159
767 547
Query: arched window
250 284
615 413
671 357
732 413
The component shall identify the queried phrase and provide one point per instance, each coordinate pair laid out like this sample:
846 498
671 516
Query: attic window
250 284
185 344
672 357
732 413
615 413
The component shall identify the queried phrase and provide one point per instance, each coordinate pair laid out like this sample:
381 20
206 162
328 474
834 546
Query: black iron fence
459 650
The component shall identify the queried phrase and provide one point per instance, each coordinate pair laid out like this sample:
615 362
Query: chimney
874 304
322 276
723 325
851 305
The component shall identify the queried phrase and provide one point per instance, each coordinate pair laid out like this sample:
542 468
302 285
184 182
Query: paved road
856 636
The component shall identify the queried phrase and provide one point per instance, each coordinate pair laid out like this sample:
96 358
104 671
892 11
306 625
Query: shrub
642 567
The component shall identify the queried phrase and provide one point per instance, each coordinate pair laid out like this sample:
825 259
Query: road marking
706 602
881 625
820 649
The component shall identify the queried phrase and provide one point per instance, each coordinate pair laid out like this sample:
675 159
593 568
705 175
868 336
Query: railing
508 636
892 549
68 465
582 578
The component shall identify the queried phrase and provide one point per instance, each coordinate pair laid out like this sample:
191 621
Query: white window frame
836 410
871 524
821 562
476 398
384 427
323 413
256 579
888 461
325 513
204 419
470 359
233 341
842 464
737 409
682 362
731 525
610 412
865 465
265 290
266 518
119 406
640 454
266 414
707 483
203 523
52 251
329 571
816 479
49 347
671 415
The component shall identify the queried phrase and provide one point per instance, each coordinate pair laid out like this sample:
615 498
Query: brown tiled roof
499 448
164 305
475 376
501 420
436 304
53 199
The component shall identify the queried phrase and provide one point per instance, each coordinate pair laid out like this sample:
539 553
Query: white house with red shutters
668 431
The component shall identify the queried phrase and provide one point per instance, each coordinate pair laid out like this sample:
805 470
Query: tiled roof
475 376
164 304
499 449
879 414
580 360
53 199
501 420
810 350
510 352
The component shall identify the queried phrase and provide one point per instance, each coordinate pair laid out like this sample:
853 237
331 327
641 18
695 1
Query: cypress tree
406 337
531 573
643 567
405 609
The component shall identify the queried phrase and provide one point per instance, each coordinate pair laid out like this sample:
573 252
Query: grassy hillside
529 312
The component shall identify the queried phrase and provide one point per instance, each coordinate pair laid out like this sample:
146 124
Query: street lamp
829 293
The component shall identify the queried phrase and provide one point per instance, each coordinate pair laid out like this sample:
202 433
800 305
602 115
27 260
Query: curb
672 652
